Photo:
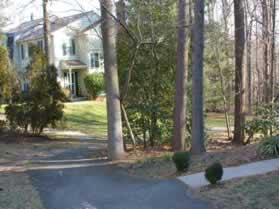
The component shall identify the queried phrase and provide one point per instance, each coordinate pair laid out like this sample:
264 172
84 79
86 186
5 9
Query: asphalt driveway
71 180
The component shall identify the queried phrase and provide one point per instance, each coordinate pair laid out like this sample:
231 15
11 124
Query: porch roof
72 64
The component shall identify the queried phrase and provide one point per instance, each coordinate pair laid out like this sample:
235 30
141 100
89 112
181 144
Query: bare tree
181 78
239 113
197 86
109 32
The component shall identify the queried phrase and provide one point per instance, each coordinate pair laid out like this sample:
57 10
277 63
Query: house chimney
32 17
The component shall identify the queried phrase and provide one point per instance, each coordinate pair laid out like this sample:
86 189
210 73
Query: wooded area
169 63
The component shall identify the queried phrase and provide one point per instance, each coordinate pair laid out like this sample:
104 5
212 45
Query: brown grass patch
258 192
17 192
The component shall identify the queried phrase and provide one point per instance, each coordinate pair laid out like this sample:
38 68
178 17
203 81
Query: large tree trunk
181 78
239 114
273 50
197 87
46 32
109 31
266 44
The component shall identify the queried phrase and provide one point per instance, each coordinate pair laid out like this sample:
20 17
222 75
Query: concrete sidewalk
251 169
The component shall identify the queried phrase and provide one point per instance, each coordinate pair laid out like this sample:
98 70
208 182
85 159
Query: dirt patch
17 192
256 192
157 163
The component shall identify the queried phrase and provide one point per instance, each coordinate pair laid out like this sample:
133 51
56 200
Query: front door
70 81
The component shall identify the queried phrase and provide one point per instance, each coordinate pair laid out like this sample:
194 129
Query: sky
20 11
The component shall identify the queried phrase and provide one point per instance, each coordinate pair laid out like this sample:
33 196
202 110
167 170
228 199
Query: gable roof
34 29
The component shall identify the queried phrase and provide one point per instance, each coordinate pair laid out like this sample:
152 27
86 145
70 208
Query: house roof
34 29
73 64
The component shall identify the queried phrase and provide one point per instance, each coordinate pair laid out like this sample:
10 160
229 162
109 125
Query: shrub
40 107
18 116
181 161
2 125
266 121
269 146
67 92
214 173
94 84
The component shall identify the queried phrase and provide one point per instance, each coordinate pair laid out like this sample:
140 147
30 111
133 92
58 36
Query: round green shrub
181 161
269 146
214 173
94 84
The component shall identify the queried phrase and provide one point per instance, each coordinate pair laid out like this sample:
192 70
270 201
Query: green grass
217 120
2 109
87 117
90 117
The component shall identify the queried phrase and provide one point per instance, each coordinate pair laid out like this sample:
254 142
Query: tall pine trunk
239 113
109 32
181 78
197 86
273 51
46 32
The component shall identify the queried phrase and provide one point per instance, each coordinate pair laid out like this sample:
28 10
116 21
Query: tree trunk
109 31
197 87
265 38
181 78
239 114
128 126
273 51
249 67
46 32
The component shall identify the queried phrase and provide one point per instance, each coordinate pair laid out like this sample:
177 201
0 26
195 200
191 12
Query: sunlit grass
87 117
217 120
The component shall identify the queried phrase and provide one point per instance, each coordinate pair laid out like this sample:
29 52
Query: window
95 60
64 48
26 87
70 48
40 44
22 51
10 45
30 50
73 47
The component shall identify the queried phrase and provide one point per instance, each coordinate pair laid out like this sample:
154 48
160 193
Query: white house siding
86 42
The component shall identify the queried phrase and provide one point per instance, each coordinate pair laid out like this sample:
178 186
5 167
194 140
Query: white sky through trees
20 11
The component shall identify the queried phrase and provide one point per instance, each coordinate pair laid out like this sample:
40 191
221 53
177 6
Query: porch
73 74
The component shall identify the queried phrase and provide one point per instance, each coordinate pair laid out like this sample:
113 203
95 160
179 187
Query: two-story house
75 48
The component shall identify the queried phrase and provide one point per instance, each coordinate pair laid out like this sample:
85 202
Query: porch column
71 82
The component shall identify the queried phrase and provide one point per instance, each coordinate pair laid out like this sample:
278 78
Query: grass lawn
217 120
250 193
2 109
88 117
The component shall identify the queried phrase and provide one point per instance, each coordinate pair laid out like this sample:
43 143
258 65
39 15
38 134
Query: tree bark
239 113
266 43
129 128
46 32
181 78
273 51
197 86
109 32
